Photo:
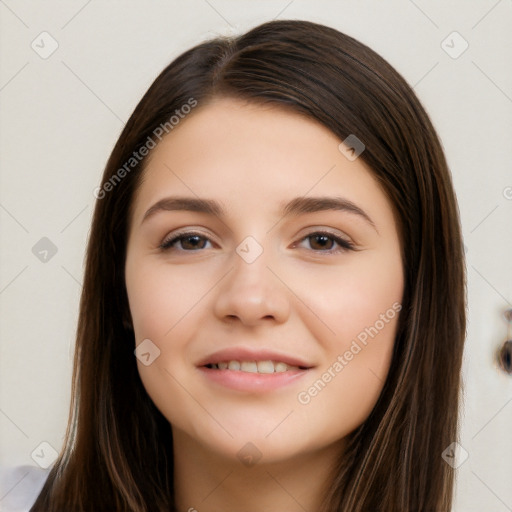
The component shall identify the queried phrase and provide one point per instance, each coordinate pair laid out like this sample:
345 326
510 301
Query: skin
299 297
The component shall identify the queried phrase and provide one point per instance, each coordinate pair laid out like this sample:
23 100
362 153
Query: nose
252 294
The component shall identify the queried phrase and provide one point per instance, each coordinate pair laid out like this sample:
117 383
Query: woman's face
264 280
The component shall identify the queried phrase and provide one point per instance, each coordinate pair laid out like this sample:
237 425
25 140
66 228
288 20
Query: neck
208 482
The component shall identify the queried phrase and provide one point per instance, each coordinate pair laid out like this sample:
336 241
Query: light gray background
61 116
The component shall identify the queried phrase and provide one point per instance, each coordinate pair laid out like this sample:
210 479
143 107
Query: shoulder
20 486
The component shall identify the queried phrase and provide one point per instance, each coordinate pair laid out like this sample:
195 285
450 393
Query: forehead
232 129
255 154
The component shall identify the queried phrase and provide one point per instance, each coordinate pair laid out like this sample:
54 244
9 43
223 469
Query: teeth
264 367
280 367
234 365
249 366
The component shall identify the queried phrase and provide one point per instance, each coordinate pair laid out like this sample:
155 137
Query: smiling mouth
261 367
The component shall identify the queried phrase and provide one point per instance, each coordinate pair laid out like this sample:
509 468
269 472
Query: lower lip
252 382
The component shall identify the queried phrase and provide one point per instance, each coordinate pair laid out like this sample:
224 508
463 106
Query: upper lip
249 354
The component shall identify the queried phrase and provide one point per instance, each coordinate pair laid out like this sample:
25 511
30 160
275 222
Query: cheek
359 311
164 304
341 399
353 371
161 302
159 296
364 292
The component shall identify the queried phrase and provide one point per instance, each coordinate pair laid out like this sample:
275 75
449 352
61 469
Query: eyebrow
295 207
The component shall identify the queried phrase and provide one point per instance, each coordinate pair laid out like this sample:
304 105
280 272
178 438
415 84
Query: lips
265 367
253 361
252 371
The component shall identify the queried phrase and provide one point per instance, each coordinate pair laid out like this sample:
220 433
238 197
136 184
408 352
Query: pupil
192 242
322 241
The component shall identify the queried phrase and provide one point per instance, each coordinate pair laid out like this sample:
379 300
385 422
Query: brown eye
320 241
185 242
193 242
327 243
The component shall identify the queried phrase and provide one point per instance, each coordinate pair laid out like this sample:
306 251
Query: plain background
61 115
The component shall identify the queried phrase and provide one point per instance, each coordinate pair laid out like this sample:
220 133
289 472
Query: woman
273 310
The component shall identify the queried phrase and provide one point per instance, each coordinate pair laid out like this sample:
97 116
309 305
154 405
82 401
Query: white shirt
20 486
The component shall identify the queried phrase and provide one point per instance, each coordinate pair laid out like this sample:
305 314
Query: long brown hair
118 453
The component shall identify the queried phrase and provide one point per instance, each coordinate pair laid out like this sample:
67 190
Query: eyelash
344 245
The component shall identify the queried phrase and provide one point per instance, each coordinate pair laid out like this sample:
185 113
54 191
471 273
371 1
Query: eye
319 242
322 241
188 241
